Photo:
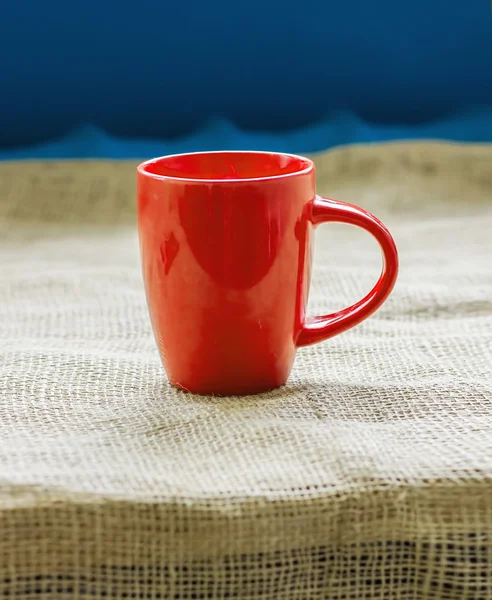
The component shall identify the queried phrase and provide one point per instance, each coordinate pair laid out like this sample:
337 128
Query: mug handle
326 210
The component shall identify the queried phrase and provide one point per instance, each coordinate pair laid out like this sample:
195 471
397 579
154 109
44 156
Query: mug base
228 390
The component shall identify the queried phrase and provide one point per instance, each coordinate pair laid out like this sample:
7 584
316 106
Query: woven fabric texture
368 476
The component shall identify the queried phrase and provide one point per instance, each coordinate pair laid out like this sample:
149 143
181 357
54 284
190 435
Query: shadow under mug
226 249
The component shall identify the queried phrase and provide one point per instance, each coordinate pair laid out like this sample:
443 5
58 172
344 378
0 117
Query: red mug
226 250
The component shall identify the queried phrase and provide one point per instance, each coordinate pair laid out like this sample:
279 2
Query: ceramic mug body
226 250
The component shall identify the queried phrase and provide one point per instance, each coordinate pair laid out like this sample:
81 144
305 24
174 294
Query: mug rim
142 168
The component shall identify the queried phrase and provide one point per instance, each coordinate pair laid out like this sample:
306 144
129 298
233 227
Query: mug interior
228 165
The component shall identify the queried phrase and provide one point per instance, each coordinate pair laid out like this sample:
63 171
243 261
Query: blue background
135 79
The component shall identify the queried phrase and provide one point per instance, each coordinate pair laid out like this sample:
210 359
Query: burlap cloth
368 476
